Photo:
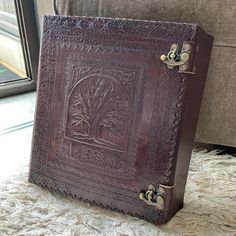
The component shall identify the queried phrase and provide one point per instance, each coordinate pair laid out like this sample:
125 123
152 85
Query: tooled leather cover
108 110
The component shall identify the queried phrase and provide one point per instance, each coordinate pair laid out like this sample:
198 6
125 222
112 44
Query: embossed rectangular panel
111 117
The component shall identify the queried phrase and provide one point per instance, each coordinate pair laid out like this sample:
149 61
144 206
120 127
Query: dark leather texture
111 117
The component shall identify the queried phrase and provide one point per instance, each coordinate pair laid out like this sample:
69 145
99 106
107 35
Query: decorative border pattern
67 189
161 166
129 29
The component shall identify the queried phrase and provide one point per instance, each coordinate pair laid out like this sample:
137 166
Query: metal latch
177 57
154 196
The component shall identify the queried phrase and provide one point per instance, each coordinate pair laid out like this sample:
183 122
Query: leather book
117 108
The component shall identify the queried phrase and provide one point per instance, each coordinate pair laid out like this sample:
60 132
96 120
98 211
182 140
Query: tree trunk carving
99 112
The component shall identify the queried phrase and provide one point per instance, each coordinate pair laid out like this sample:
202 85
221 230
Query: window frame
28 29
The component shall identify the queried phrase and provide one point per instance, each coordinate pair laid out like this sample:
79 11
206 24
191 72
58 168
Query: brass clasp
176 57
154 196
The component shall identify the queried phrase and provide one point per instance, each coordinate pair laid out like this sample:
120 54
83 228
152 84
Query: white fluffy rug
26 209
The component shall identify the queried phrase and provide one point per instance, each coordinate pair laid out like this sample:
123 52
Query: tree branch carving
99 111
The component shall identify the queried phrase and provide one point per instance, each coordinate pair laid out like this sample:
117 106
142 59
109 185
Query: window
19 47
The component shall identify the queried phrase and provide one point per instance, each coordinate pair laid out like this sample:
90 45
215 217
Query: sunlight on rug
26 209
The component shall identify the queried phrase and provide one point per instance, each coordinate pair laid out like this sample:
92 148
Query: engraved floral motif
86 154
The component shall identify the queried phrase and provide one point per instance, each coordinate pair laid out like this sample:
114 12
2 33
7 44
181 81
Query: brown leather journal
117 109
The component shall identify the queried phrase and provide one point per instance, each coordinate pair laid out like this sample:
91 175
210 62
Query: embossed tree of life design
99 113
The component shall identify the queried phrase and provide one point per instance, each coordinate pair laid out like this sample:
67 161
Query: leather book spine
189 119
